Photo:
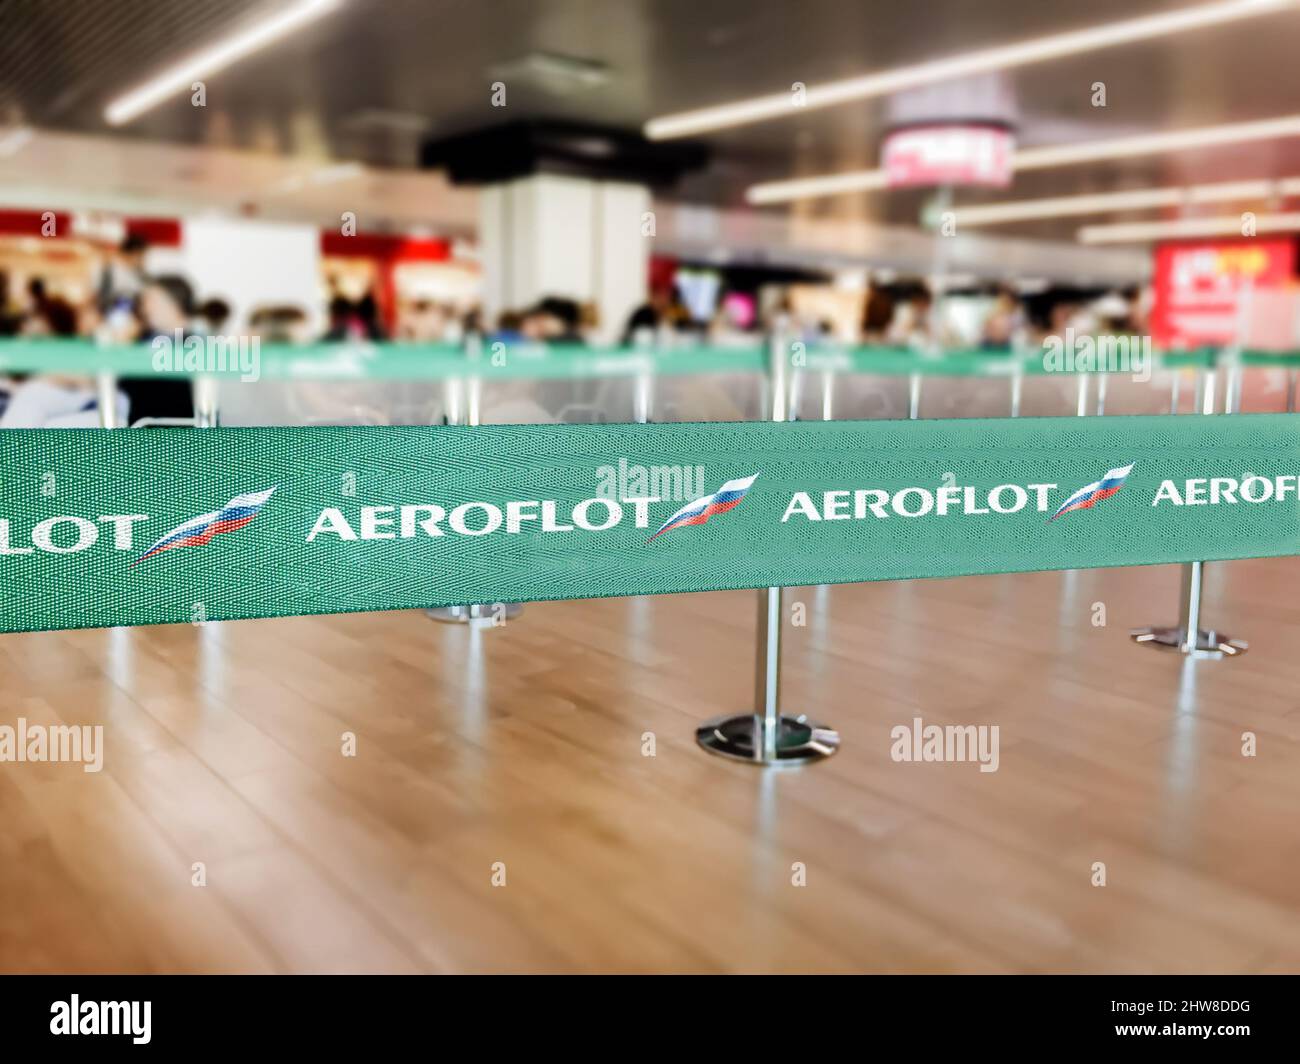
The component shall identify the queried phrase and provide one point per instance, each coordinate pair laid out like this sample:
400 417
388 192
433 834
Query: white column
572 237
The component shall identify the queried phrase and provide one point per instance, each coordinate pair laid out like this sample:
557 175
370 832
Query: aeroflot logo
537 515
67 535
197 531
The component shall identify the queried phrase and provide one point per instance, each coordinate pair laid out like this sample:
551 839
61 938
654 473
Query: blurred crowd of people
995 319
128 305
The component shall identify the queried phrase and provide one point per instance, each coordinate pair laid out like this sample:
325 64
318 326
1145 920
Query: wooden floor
523 745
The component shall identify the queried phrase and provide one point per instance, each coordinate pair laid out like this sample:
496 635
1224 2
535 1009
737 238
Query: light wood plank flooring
523 745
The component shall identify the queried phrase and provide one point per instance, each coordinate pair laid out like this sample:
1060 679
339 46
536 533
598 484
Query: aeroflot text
917 502
1011 498
479 518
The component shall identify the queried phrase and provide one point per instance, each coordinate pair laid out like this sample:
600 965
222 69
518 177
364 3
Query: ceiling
371 79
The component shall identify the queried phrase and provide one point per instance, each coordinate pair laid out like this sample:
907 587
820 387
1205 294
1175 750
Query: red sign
1200 287
948 154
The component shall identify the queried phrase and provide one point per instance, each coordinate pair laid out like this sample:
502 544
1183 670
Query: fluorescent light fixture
1046 158
204 64
1143 232
1129 200
1157 143
1004 57
797 188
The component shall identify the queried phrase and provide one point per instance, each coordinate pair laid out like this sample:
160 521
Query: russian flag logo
238 512
1087 498
727 497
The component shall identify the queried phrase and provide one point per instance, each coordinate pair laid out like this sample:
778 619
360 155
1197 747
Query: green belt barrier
365 361
125 528
499 360
893 361
1280 360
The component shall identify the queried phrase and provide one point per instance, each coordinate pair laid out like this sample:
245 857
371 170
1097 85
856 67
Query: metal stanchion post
1188 637
795 383
643 395
453 400
462 398
106 400
1102 378
1232 386
767 736
206 412
913 396
1290 391
828 395
474 383
1081 405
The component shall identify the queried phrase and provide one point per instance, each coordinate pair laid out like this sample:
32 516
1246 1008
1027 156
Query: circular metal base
799 741
481 616
1212 645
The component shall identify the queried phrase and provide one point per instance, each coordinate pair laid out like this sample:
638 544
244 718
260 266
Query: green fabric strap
378 518
366 361
498 361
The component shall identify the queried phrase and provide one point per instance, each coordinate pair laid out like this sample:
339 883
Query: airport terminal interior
930 254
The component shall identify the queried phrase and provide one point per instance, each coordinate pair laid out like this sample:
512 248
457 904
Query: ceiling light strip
1144 232
204 64
1044 158
1004 57
1127 200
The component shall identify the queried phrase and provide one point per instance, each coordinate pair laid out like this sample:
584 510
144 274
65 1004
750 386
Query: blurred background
940 175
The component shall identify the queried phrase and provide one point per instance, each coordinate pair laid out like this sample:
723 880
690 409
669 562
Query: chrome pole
106 400
1188 637
643 386
766 736
206 413
1209 380
1232 388
474 383
1190 607
913 396
643 398
462 397
768 680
